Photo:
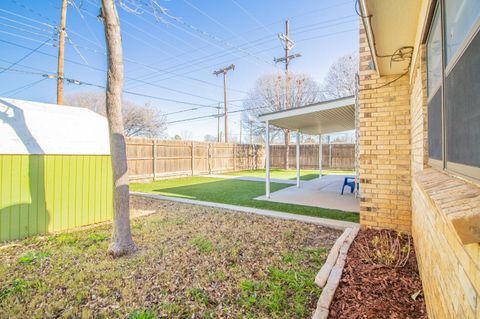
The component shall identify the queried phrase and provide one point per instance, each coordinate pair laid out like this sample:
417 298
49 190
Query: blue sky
174 59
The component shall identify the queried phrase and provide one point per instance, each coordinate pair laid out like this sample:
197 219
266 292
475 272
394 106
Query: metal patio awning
319 118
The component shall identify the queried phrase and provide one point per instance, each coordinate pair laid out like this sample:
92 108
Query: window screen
434 55
435 126
462 105
460 16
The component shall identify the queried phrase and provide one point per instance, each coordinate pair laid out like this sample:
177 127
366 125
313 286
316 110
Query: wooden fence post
154 160
329 154
234 158
209 158
193 158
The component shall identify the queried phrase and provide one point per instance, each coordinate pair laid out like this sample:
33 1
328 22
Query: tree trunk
287 149
122 242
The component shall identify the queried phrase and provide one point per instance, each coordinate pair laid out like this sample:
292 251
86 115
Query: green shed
55 170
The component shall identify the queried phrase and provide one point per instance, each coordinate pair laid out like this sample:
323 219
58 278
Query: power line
236 35
164 11
251 16
22 88
149 66
25 56
104 71
27 18
80 82
188 64
24 30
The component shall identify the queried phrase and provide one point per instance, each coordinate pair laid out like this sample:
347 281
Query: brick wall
450 271
385 150
418 100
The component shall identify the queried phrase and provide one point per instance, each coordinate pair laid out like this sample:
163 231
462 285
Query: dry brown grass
193 261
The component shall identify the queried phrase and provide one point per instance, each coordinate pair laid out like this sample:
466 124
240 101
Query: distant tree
268 95
209 138
143 121
177 137
186 135
340 79
138 121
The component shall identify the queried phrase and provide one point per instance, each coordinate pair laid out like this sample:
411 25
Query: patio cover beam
267 159
318 118
297 153
320 155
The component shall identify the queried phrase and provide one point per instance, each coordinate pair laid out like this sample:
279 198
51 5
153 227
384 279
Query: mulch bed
369 290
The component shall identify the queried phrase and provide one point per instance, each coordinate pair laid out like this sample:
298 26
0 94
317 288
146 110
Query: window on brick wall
453 80
434 80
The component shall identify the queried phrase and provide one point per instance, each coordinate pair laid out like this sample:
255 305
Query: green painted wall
48 193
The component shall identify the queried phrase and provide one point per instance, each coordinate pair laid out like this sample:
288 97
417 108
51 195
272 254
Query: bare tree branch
138 121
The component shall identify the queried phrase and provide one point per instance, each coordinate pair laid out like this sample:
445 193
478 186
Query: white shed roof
38 128
319 118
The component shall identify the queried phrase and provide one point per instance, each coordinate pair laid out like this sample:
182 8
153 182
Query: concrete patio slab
321 192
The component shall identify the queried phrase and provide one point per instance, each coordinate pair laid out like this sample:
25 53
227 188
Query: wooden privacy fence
156 159
150 159
335 156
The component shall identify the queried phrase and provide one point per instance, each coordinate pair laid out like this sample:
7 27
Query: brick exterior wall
400 191
418 100
385 148
450 270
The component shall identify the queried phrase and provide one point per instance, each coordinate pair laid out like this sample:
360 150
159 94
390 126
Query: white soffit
394 25
319 118
38 128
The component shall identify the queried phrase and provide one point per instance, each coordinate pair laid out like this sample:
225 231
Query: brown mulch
372 291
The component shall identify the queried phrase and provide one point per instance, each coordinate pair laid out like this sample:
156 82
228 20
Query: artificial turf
235 192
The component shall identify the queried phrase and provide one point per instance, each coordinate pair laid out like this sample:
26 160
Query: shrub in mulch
380 279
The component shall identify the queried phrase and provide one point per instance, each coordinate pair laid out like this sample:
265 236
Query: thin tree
122 242
340 79
268 95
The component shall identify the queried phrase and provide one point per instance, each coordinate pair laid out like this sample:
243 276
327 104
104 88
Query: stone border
331 223
330 274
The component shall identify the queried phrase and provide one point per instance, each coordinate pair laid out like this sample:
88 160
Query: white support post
298 158
320 155
267 159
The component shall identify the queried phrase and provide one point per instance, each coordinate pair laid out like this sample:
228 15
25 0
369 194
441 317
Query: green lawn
235 192
305 174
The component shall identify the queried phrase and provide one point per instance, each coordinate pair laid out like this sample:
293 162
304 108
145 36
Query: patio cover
319 118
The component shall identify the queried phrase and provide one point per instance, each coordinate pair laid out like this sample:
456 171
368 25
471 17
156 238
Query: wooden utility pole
61 51
219 139
224 72
288 44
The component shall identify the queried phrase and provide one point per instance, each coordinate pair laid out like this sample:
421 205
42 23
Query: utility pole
288 44
61 51
219 139
224 72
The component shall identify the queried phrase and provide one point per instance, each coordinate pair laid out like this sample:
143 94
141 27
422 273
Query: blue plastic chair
350 182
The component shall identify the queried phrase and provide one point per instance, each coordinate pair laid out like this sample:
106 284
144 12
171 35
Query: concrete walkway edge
331 223
253 179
